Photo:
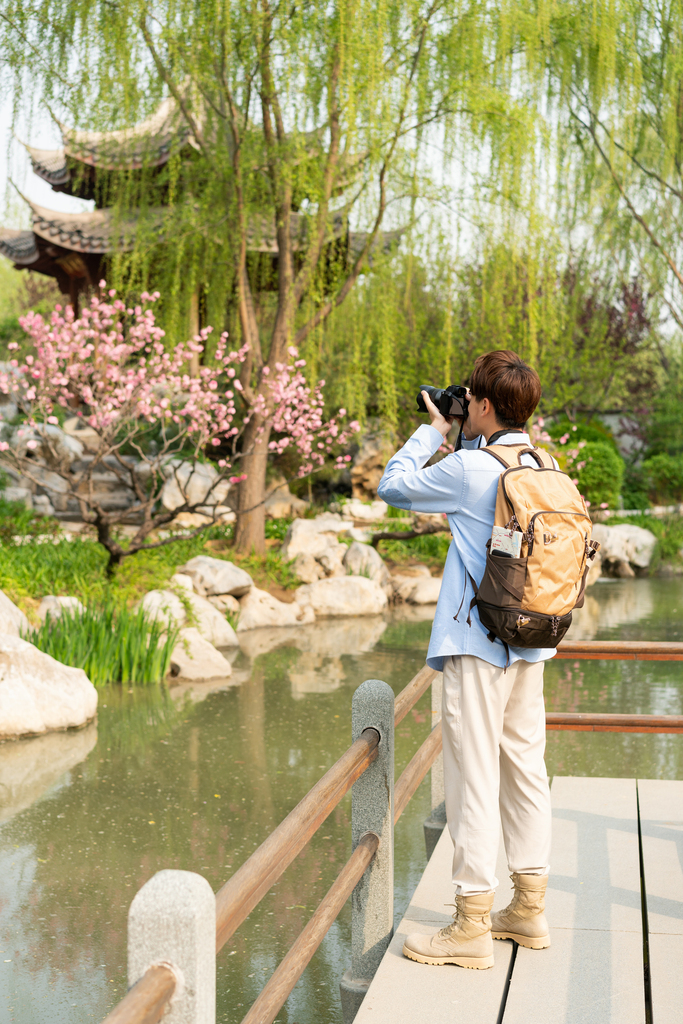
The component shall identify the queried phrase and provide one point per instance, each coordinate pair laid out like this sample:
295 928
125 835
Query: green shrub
601 477
663 475
594 432
109 644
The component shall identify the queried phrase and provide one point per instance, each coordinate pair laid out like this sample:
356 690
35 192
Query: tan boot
466 942
523 920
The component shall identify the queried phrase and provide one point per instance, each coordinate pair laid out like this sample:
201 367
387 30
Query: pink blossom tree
110 366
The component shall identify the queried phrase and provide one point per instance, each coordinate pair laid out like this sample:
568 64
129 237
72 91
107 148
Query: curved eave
19 246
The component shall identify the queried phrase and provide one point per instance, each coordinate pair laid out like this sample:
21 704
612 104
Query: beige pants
493 725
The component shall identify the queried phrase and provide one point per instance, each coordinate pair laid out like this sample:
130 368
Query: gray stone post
372 810
435 823
172 920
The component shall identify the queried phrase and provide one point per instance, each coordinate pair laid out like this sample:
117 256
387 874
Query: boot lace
446 931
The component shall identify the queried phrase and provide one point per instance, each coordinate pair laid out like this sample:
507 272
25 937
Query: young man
493 716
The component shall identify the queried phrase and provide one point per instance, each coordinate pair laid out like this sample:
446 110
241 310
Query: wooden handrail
284 978
588 722
146 1001
148 998
409 696
240 894
415 771
623 650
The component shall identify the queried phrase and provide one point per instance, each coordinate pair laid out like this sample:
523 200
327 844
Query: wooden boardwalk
616 957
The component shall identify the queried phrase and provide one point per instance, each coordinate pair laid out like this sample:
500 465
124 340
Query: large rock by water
163 605
344 595
213 625
12 619
259 608
313 536
178 609
38 694
195 659
212 576
364 560
624 546
424 589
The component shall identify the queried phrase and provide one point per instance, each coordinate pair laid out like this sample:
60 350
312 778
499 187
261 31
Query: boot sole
541 942
474 963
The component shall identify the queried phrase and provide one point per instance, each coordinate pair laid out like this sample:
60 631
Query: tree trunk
250 532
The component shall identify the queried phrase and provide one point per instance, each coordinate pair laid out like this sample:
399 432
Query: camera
450 401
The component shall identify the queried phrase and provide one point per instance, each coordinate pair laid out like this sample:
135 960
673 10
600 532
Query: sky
15 167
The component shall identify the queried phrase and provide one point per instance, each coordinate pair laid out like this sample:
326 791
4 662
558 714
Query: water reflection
31 768
197 778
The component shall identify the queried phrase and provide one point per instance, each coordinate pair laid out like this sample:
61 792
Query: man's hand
442 423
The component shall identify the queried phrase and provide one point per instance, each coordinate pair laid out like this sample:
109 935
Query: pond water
197 781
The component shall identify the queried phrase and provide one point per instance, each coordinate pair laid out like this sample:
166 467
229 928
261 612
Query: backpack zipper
529 533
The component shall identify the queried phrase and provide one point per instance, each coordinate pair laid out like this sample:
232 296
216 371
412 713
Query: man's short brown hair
512 387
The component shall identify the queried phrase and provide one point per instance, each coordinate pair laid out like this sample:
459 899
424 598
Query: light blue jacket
464 486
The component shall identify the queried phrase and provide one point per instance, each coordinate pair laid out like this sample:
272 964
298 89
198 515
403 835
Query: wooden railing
149 998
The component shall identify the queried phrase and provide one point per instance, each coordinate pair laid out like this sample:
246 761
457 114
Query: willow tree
310 128
616 74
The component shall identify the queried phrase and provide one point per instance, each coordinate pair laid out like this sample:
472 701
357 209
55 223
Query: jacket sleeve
407 485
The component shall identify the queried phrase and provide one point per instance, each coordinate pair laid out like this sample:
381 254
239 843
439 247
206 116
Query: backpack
528 601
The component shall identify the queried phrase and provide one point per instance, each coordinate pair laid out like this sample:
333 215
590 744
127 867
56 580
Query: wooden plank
405 992
661 823
593 972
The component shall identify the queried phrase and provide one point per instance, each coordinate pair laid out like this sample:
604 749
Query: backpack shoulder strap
504 453
542 457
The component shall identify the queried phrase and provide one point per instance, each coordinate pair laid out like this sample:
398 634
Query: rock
31 767
183 581
368 465
12 619
259 608
217 576
225 603
344 595
87 436
54 605
307 568
370 511
56 448
195 659
312 536
192 483
42 505
281 503
624 546
20 494
332 559
364 560
193 520
417 589
38 694
163 605
212 625
362 536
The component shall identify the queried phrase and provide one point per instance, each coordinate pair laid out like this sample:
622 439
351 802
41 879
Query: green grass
18 521
111 644
78 567
428 548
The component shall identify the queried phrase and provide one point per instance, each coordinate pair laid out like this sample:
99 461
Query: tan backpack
528 601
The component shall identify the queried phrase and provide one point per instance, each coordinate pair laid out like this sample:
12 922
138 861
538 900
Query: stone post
436 822
372 810
172 920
